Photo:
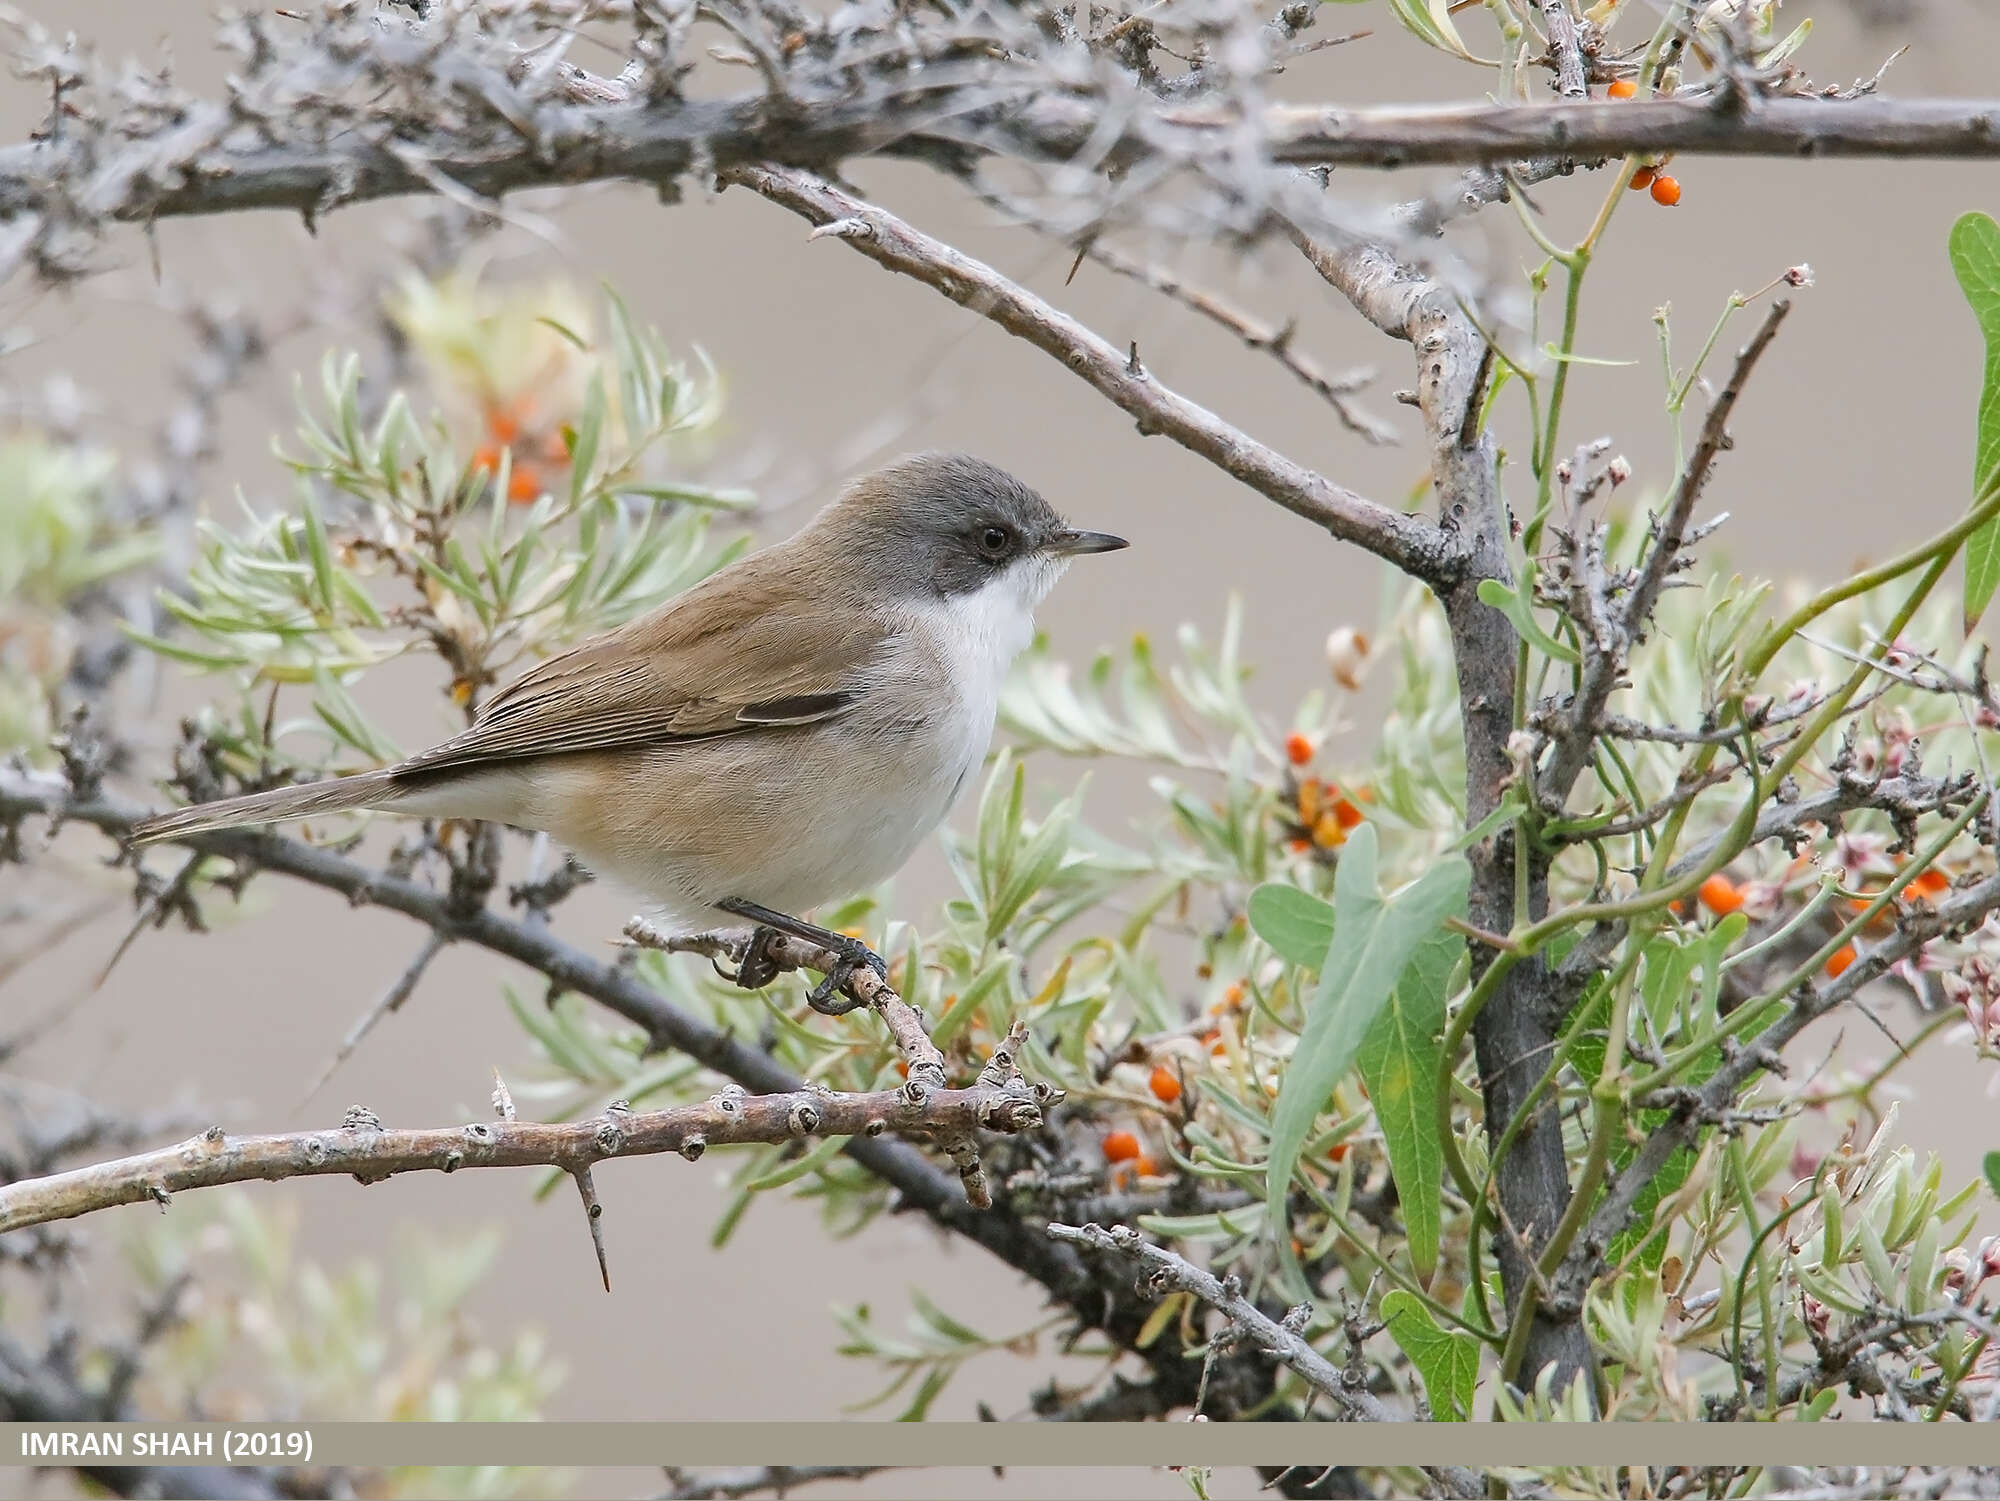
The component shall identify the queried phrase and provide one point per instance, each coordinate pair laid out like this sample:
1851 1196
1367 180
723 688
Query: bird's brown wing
712 662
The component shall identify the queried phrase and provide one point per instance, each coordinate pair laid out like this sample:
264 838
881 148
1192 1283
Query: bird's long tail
339 795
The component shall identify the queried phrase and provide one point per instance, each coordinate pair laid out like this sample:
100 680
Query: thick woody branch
201 164
1514 1032
1462 134
370 1152
1117 374
1166 1272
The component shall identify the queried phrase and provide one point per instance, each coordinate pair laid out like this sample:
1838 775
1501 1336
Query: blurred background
1855 435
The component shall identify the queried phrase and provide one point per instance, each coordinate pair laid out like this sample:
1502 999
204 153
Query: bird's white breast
975 638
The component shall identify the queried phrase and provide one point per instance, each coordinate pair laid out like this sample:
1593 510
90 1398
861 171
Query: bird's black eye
996 541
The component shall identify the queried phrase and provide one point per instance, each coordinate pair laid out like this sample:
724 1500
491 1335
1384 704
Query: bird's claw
757 969
852 955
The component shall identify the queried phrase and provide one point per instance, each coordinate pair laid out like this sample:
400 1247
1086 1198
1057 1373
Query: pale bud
1957 1267
1347 656
1618 470
1800 275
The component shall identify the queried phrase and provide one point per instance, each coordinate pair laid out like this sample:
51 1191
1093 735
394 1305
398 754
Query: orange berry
1216 1045
1165 1084
503 425
1145 1167
1720 895
1666 190
1337 1152
1622 88
1347 814
1843 957
1311 795
486 457
1930 882
1298 749
903 1068
1299 846
1643 178
1233 996
1329 830
1120 1146
524 485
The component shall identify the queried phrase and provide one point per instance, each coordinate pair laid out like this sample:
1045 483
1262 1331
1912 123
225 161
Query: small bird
783 734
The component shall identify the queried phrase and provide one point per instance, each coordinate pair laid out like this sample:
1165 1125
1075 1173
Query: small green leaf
1399 1061
1975 258
1448 1360
1516 608
1431 21
1296 923
1992 1168
1373 940
583 447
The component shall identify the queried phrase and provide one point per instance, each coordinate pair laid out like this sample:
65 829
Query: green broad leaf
1514 605
1297 924
1373 940
1399 1061
1991 1165
1447 1359
1975 259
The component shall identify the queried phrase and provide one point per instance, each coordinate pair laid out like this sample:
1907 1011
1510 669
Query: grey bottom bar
1479 1445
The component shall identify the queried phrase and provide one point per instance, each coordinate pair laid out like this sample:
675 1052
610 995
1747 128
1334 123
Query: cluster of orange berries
1126 1156
1723 896
1666 190
527 480
1322 816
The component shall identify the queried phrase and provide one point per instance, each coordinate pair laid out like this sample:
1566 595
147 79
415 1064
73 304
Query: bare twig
1575 736
1166 1272
1565 47
754 1480
399 991
1256 334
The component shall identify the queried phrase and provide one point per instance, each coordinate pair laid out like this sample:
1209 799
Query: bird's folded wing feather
712 662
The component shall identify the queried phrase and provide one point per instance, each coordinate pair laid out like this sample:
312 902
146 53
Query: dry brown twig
1000 1101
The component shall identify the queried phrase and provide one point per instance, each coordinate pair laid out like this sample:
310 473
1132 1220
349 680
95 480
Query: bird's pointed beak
1069 542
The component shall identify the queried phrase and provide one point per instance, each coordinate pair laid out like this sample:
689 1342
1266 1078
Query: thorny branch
370 1152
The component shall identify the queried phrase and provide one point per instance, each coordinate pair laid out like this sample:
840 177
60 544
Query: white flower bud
1347 656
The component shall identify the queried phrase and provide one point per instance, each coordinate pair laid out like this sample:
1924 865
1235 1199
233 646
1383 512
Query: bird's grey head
935 525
